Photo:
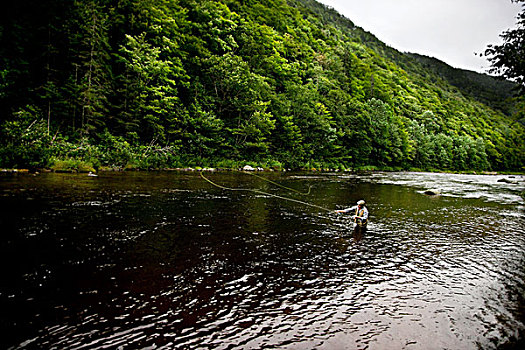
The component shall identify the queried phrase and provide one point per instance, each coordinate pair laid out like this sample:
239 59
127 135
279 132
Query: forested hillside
170 83
496 93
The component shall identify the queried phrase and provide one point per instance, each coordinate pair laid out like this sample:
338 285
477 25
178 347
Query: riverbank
250 168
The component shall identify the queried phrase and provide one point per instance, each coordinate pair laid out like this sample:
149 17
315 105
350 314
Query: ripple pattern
167 262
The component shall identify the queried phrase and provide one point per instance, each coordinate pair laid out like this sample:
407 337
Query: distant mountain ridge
487 89
492 91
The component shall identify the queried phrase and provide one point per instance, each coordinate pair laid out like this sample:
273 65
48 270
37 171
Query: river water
168 261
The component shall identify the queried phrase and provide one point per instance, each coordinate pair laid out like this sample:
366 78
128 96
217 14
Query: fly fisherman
360 213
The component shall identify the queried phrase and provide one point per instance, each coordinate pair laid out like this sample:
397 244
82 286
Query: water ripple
146 265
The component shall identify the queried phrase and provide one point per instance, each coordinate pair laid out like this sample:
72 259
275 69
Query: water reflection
359 232
165 260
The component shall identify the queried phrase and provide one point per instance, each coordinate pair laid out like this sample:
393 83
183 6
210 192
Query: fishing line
264 193
272 182
330 217
279 185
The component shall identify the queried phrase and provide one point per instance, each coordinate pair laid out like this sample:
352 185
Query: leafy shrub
70 165
25 141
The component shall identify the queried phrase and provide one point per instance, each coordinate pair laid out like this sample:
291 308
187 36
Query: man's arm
346 210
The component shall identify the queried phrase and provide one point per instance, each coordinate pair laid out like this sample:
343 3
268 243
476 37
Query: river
166 260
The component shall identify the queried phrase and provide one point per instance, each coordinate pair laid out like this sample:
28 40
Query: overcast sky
450 30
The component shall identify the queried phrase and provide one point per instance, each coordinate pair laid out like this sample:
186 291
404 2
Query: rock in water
507 181
433 192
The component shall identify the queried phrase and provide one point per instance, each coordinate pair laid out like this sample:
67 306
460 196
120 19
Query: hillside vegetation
170 83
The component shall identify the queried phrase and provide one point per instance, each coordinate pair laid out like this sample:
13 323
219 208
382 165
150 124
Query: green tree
389 140
443 146
240 101
91 63
418 152
508 58
151 103
25 140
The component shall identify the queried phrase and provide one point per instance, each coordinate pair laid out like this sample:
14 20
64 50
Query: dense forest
141 84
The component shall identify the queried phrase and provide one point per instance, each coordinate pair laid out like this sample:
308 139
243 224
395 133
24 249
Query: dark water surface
167 261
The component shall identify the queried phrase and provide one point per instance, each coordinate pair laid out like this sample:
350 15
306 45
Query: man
360 213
